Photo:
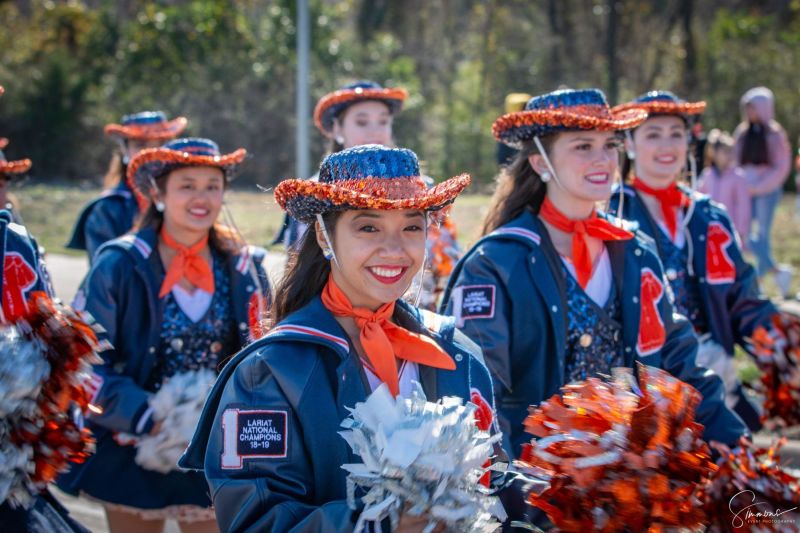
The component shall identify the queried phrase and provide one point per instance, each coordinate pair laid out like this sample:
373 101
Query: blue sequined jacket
300 379
510 302
107 217
729 295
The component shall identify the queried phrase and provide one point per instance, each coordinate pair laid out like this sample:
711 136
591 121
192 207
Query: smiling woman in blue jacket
556 292
341 329
181 293
714 287
114 212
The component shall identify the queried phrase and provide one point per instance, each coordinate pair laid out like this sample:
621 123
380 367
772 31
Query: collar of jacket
142 249
695 230
543 262
327 332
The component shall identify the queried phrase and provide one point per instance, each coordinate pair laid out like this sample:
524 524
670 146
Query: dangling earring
160 207
546 176
630 151
327 253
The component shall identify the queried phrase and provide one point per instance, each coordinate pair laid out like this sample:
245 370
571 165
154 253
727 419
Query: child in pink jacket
724 181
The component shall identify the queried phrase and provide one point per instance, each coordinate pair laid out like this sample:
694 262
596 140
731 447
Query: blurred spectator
725 182
762 150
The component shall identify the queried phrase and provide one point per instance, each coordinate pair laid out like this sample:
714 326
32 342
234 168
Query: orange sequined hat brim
353 95
151 163
656 107
15 167
304 199
158 131
513 128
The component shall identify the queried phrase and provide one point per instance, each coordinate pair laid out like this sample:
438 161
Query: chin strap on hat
328 241
547 162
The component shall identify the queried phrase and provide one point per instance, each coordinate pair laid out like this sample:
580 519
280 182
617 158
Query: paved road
68 271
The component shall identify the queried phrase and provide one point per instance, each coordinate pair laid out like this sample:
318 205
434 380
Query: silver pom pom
23 369
422 456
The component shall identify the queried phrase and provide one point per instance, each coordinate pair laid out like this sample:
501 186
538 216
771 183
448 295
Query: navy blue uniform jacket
107 217
510 302
23 271
121 293
300 379
729 295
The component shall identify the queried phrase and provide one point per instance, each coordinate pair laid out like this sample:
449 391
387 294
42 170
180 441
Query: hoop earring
545 177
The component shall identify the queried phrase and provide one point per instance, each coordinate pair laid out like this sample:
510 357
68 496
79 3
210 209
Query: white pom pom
23 369
177 406
13 470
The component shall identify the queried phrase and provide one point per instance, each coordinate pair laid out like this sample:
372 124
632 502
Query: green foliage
69 67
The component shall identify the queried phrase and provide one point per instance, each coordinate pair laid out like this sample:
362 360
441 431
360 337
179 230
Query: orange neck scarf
383 341
593 226
187 264
670 198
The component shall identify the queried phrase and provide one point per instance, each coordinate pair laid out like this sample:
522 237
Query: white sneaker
783 279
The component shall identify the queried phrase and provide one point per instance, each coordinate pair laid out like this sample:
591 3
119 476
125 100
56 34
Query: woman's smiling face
661 145
377 254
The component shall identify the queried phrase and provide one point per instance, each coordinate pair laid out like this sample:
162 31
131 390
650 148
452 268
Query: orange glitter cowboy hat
563 110
661 103
367 177
12 168
147 126
330 105
152 163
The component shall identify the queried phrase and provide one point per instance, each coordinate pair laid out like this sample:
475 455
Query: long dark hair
305 275
519 187
754 145
115 173
221 238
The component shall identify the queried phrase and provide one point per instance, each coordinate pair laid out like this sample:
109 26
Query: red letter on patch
18 277
719 265
651 328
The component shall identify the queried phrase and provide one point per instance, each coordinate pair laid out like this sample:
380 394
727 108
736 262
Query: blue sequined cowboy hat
332 104
663 103
146 126
152 163
563 110
367 177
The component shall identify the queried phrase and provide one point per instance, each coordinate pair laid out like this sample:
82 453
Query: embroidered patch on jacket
477 301
253 434
652 334
720 268
19 277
